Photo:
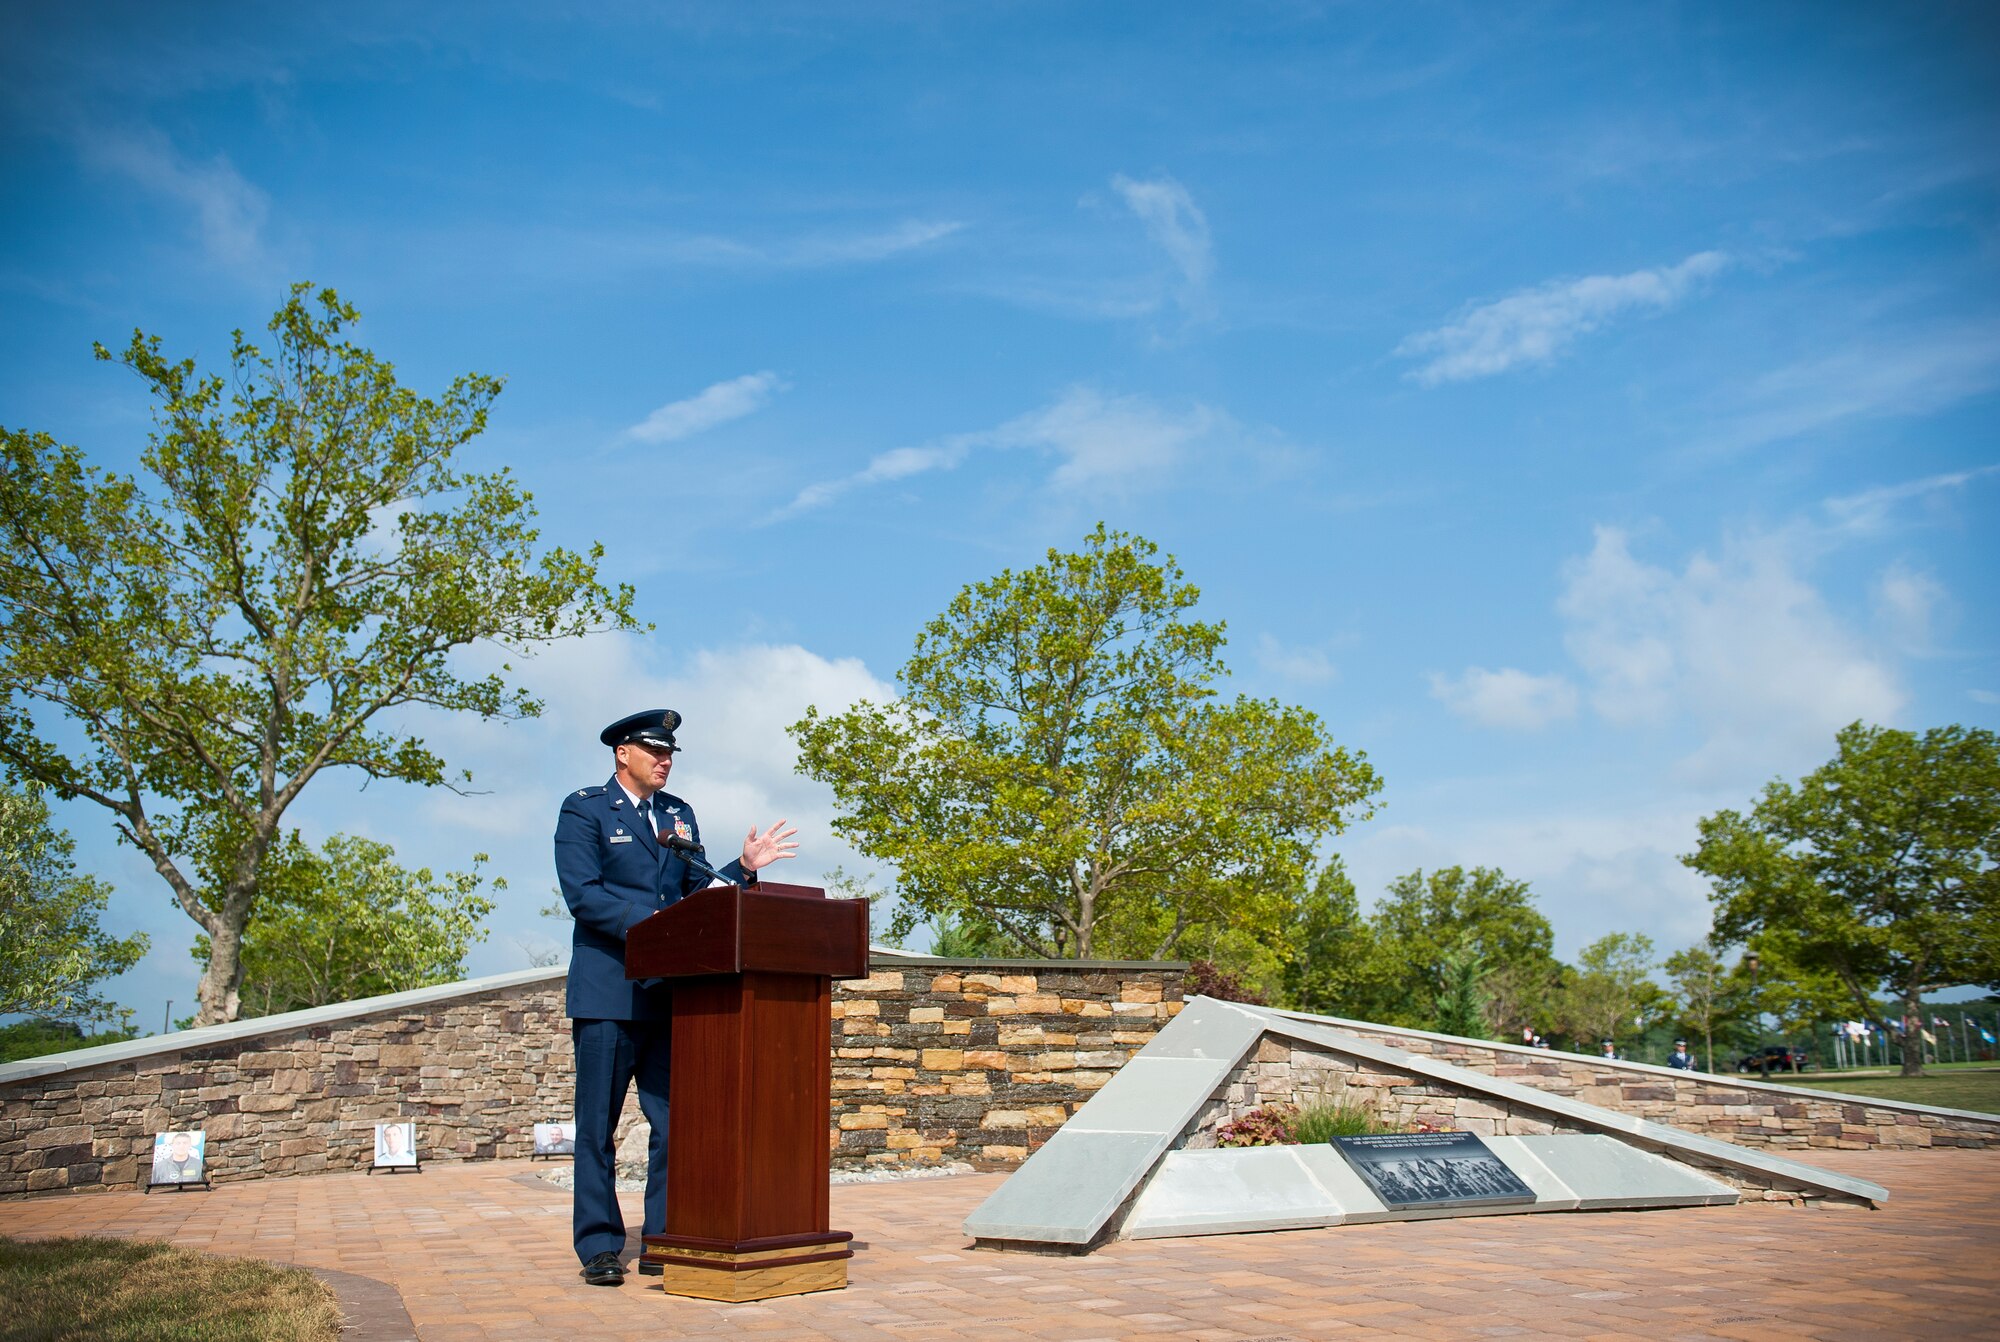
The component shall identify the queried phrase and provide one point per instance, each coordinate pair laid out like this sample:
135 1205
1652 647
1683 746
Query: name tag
621 838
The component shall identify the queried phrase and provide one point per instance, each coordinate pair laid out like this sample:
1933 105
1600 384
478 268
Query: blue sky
1585 409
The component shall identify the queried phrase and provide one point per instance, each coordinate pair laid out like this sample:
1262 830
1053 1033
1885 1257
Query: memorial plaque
1410 1171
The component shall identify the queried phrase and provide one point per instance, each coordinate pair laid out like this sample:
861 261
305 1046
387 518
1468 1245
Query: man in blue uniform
617 869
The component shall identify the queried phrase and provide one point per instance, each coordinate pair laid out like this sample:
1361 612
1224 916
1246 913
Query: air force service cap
654 727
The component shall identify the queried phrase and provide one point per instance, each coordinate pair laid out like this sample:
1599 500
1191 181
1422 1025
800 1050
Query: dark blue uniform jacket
614 873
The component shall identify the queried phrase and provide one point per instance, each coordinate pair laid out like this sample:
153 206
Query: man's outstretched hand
761 850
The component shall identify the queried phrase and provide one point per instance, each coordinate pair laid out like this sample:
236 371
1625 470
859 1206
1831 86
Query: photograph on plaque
395 1145
178 1156
1410 1171
555 1139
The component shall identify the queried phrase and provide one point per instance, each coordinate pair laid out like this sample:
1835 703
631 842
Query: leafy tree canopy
1705 999
1429 923
1333 964
1612 992
300 554
347 922
1059 767
52 950
1881 868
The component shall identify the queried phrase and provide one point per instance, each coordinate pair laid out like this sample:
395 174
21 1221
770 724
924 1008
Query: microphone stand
694 855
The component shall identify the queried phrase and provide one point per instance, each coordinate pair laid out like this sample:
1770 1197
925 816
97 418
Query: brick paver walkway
482 1252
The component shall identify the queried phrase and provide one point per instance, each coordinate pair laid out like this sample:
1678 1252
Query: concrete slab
1224 1191
1068 1190
1228 1191
1206 1028
1551 1193
1152 1095
1605 1172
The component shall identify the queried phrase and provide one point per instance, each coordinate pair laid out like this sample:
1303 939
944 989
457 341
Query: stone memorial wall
934 1061
1286 1072
1735 1109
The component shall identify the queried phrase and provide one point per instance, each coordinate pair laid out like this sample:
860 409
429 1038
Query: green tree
298 558
966 940
1879 867
348 922
1059 767
1701 997
52 949
1460 1006
1427 918
39 1036
1524 996
1332 963
1612 988
1796 995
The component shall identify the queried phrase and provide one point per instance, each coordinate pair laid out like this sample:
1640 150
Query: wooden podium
747 1154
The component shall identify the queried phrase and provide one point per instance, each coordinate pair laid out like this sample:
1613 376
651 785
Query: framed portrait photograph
395 1146
179 1159
555 1139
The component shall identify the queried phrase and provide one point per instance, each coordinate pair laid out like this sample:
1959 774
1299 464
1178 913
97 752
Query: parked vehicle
1774 1058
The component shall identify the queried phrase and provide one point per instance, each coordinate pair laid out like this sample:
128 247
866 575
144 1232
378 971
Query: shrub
1205 980
1269 1126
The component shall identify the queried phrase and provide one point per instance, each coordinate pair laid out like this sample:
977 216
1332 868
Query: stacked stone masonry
931 1063
475 1075
982 1064
1282 1072
1717 1106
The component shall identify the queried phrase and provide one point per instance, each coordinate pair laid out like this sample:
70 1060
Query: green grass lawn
1952 1088
114 1290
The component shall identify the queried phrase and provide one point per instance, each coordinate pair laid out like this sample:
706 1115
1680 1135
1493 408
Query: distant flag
1929 1038
1941 1022
1986 1034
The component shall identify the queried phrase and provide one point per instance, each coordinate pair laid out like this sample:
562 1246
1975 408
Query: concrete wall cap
208 1036
1647 1068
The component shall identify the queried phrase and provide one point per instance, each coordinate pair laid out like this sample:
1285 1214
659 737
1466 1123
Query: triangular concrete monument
1138 1160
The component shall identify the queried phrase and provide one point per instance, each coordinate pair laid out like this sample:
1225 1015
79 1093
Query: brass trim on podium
815 1263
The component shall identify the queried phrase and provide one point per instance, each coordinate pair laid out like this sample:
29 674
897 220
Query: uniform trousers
610 1056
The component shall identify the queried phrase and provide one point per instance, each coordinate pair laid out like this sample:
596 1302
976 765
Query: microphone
694 854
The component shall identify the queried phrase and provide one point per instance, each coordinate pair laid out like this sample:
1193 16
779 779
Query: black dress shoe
603 1270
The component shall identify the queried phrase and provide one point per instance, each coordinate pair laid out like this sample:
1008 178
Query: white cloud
805 252
1740 643
1506 698
1309 666
1100 439
1911 373
1593 869
736 768
713 405
1099 442
1873 510
1983 696
1535 325
1177 226
229 212
1908 603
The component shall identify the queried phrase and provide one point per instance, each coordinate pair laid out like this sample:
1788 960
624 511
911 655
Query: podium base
754 1270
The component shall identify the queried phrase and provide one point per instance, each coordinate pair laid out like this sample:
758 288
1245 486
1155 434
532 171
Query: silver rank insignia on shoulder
583 792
